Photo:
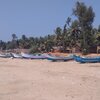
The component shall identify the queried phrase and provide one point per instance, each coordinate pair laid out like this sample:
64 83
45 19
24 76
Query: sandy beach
22 79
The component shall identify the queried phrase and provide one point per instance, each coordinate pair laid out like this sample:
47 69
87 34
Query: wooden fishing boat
59 58
14 55
6 55
31 56
86 59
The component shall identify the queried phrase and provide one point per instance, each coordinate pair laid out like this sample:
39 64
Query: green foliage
85 17
34 49
75 24
99 28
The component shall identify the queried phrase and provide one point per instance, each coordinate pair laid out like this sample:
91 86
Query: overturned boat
31 56
14 55
59 58
3 56
86 59
6 55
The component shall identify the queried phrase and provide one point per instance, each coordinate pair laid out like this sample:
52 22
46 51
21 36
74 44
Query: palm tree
68 21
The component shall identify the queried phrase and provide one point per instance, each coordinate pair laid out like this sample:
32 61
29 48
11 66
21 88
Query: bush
84 51
34 49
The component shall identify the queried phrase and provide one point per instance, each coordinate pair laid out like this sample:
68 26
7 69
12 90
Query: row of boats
77 58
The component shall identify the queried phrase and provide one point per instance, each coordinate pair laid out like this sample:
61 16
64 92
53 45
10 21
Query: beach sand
22 79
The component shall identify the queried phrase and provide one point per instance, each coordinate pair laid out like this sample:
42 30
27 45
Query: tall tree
85 16
68 21
24 42
58 37
99 28
14 37
14 43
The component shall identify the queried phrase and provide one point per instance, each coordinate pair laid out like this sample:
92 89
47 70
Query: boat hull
30 56
56 58
87 59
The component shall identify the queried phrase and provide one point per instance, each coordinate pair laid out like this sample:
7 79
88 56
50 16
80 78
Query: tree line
75 32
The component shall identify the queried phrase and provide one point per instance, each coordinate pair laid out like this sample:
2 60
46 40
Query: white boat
31 56
14 55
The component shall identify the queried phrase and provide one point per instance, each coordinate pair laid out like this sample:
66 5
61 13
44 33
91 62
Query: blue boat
59 58
86 59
